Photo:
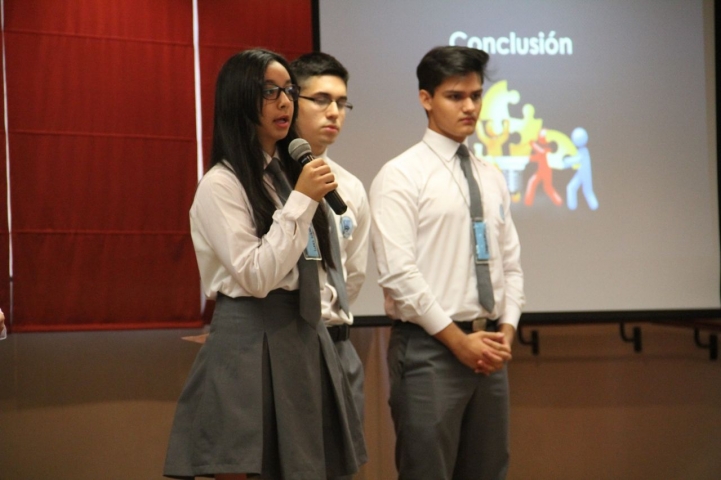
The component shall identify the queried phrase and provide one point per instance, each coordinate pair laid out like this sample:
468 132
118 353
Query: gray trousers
450 422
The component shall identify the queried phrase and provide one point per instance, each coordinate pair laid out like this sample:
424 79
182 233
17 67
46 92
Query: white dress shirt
353 234
422 239
231 258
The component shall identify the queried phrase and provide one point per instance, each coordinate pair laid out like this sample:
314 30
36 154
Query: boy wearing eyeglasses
322 108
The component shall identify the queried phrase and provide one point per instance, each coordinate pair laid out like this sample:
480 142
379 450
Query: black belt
339 333
484 324
468 326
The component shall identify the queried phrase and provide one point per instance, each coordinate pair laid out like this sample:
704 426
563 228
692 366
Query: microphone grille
298 148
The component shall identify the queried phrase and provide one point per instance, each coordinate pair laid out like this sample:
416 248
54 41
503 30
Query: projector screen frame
685 317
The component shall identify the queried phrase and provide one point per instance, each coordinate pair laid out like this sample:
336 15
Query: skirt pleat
266 395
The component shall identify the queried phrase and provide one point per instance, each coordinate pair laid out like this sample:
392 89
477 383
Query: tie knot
275 169
462 152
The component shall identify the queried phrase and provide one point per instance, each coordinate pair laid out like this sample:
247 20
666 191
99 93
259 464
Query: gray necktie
335 275
483 273
309 285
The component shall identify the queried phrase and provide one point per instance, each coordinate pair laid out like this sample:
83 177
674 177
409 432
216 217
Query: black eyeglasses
272 92
324 102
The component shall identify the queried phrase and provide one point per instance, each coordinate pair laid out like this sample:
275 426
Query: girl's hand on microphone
316 180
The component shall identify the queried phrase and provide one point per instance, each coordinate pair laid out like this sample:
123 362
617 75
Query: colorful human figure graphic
583 178
512 142
540 148
493 141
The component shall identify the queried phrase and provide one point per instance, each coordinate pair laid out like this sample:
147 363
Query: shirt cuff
434 320
300 206
331 312
511 316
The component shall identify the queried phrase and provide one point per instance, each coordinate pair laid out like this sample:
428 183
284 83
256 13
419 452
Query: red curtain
103 161
229 26
5 279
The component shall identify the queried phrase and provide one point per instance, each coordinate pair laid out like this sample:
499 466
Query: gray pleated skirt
266 395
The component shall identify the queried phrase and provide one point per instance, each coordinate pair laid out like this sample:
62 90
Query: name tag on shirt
346 226
312 252
479 232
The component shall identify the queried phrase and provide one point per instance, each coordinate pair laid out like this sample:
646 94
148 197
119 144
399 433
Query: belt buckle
479 325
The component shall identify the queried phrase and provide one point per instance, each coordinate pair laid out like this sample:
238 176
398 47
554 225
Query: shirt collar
445 147
268 158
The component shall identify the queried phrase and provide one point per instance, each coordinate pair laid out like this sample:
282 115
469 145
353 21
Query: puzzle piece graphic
495 104
564 147
528 128
496 117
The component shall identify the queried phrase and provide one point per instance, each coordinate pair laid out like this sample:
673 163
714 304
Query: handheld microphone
299 150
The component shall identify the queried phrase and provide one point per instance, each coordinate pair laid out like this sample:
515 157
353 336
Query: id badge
479 232
312 252
346 226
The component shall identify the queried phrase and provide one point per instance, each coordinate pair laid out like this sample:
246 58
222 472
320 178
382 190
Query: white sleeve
356 261
512 273
221 214
394 213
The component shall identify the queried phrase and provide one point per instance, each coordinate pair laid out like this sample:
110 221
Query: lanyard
466 200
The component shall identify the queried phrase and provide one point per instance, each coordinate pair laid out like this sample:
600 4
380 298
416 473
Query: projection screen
624 93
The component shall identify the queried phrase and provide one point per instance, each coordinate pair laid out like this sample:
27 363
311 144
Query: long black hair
238 106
